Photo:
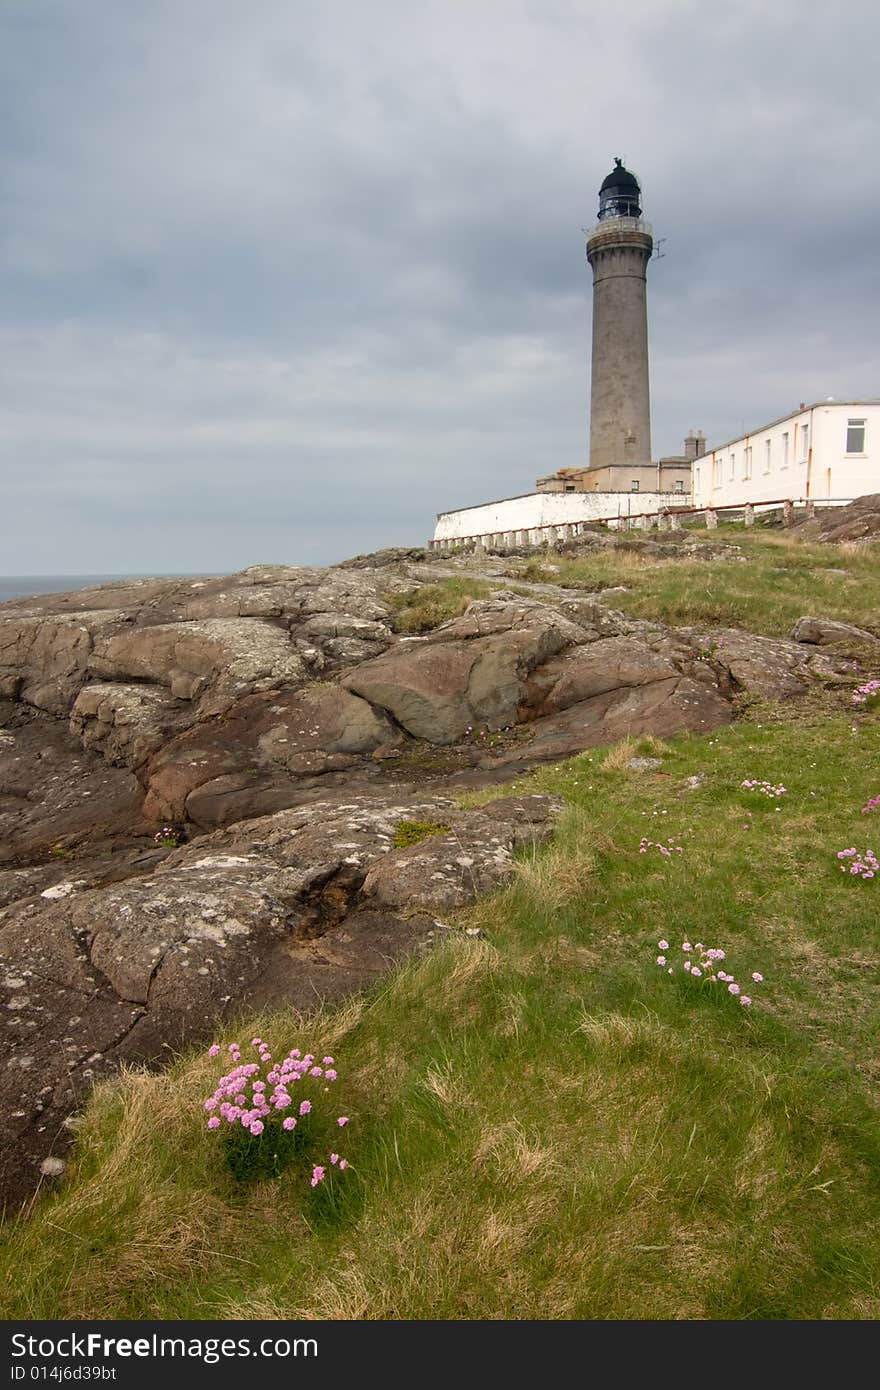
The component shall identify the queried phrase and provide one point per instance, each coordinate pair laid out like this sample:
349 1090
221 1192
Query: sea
29 585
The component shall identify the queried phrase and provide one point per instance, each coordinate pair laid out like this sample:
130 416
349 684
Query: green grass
412 832
775 581
429 605
544 1123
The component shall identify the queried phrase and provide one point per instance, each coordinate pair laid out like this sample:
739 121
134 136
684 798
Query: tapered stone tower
618 249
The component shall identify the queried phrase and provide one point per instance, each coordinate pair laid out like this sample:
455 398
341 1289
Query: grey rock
819 631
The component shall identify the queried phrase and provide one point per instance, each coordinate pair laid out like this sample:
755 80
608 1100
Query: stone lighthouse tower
619 248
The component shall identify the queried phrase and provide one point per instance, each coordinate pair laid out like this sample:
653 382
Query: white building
827 452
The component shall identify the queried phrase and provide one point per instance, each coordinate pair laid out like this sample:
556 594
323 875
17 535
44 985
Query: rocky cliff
204 784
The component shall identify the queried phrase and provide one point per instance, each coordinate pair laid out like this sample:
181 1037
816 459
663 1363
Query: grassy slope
544 1124
775 581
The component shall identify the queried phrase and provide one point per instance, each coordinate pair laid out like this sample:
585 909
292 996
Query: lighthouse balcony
617 225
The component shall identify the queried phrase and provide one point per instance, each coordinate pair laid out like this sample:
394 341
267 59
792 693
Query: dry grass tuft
516 1158
644 746
446 1086
557 877
343 1295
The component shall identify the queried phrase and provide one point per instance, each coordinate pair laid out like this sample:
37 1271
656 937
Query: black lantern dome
620 194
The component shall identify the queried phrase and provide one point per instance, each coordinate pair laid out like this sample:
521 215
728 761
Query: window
855 436
805 443
696 480
634 485
716 473
679 485
768 448
785 450
732 468
747 463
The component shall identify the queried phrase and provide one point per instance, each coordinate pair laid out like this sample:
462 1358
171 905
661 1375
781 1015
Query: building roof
828 403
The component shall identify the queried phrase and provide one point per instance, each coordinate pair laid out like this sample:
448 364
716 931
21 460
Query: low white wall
536 510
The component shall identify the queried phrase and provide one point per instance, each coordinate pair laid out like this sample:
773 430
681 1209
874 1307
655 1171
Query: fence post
711 519
750 514
787 513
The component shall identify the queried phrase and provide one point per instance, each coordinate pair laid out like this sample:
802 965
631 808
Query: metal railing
621 224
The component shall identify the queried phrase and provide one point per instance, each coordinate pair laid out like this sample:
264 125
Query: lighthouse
618 249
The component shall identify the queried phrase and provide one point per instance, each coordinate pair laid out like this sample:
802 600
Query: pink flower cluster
319 1174
873 805
765 788
246 1097
703 963
668 849
863 693
863 865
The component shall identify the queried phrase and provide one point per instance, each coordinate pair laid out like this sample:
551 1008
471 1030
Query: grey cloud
325 262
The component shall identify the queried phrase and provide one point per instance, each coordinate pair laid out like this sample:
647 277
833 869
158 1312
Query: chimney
694 444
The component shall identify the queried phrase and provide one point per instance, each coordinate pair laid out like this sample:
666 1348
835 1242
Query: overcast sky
279 280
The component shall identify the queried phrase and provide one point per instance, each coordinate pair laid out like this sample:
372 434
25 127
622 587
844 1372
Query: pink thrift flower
256 1042
733 989
661 960
214 1051
686 946
695 970
233 1047
343 1162
330 1074
214 1122
289 1123
343 1120
744 999
334 1158
663 945
257 1127
757 977
317 1176
327 1061
304 1107
211 1104
316 1071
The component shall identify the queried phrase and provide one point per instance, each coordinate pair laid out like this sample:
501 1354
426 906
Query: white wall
536 510
812 463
